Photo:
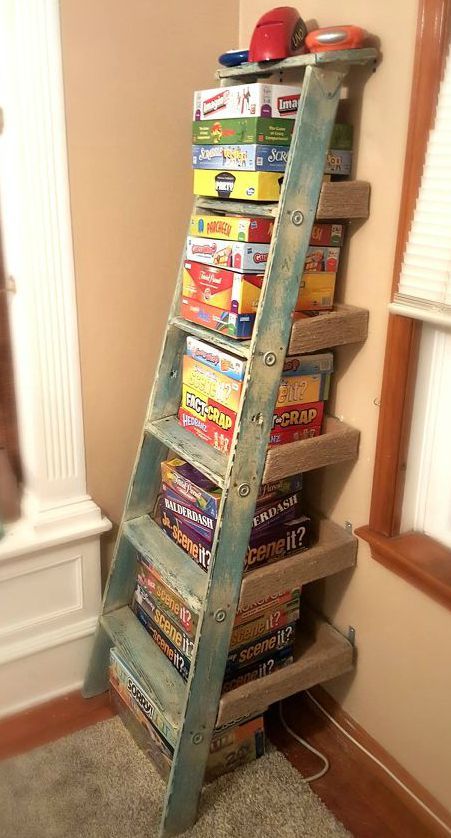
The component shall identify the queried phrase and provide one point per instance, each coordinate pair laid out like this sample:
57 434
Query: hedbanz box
149 579
327 235
250 129
258 670
322 259
220 288
236 326
232 228
316 291
223 362
258 186
245 257
256 99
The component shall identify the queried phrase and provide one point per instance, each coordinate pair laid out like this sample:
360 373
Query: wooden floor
355 790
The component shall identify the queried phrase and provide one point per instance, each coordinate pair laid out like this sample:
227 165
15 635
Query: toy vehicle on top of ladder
193 707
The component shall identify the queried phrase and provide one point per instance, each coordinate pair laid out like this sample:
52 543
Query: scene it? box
256 99
250 129
245 257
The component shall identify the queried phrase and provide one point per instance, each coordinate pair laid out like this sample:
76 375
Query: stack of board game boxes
212 381
243 154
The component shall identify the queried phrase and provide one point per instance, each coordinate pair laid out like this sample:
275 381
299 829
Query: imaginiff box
244 257
256 99
232 228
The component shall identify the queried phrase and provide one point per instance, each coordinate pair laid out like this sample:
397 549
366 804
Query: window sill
417 558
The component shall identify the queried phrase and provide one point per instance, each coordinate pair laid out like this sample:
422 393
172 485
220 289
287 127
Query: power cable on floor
307 746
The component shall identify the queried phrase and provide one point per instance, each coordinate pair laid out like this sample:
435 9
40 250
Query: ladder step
321 653
158 676
180 573
267 68
335 550
204 457
233 207
338 443
237 347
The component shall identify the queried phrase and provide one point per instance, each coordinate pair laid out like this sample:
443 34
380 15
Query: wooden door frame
414 556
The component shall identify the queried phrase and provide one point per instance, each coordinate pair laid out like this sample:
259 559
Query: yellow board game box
255 186
316 292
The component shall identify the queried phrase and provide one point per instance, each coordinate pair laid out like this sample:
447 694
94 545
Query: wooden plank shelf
338 200
321 653
267 68
338 443
345 324
335 550
238 347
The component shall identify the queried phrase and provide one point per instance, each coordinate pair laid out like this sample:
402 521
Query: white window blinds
424 289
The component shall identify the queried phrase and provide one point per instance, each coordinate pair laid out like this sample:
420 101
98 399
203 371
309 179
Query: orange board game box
235 292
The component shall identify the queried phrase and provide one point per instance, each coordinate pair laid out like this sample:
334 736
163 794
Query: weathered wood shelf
210 462
321 653
335 550
345 324
338 443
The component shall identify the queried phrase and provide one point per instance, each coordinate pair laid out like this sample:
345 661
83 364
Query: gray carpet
97 784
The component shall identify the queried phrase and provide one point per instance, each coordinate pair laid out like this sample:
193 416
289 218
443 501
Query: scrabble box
250 129
240 158
245 257
338 162
256 99
245 186
232 228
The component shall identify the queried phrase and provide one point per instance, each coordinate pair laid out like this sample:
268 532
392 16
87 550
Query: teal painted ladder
214 596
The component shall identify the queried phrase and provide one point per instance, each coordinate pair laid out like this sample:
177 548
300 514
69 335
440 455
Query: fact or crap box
227 290
212 423
316 291
256 99
232 228
256 186
244 257
301 417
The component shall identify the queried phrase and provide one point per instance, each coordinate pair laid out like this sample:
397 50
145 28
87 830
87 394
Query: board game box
316 291
240 158
248 129
258 670
256 99
218 183
220 288
211 384
338 162
299 417
179 661
232 228
165 596
327 235
245 257
315 364
258 649
236 326
322 259
223 362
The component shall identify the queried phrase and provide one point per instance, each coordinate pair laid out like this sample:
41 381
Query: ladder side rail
300 193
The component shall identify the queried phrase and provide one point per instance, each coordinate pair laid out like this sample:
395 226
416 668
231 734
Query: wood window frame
418 558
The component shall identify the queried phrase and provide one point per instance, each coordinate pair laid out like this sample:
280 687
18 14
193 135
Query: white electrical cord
377 761
309 748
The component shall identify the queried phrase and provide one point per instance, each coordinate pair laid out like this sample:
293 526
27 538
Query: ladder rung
182 575
233 207
335 550
207 459
237 347
157 674
267 68
321 653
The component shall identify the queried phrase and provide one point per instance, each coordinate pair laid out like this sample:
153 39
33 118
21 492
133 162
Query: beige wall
128 144
400 691
128 89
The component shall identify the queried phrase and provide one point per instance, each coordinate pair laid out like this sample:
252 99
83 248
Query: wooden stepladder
193 707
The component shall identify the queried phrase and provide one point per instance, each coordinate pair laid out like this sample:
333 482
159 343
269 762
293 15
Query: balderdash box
256 99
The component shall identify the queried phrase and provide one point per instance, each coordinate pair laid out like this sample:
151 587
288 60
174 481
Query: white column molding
39 257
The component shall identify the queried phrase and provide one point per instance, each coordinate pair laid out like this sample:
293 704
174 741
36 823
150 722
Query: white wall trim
67 634
39 255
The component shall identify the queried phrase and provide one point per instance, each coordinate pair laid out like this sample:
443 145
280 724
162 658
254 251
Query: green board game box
257 129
